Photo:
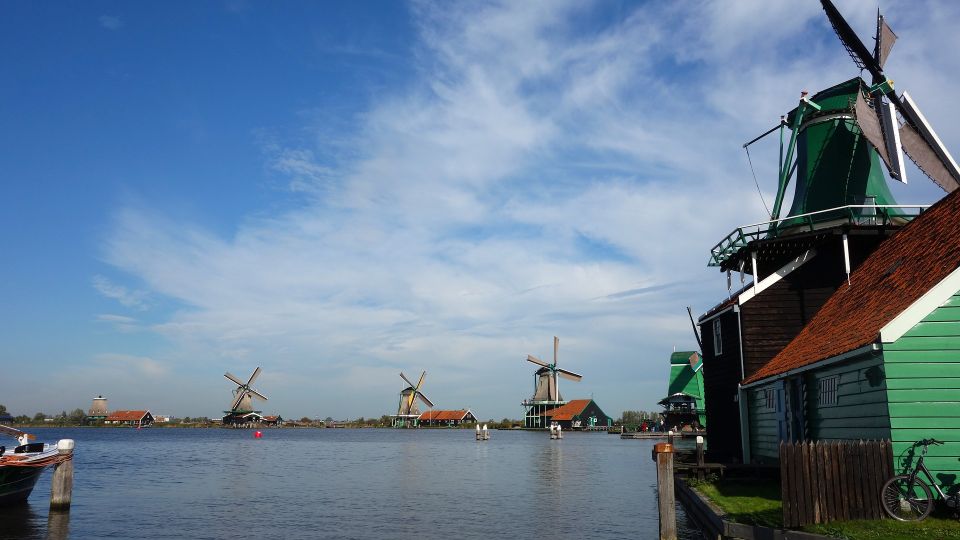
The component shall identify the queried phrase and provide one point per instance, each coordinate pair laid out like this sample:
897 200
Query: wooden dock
643 435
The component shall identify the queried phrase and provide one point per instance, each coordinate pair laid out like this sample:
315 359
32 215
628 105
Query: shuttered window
827 391
717 340
768 399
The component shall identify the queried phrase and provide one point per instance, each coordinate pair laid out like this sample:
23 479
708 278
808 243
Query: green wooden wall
860 411
764 431
923 378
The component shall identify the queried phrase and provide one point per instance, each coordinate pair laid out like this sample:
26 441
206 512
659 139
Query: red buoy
257 434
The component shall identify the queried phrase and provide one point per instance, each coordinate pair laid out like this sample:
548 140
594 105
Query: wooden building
880 360
130 418
273 420
684 408
577 414
447 418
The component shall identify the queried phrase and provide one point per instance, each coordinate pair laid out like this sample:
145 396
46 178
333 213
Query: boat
22 465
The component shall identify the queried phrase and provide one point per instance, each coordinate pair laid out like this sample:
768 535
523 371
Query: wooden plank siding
923 376
860 411
721 377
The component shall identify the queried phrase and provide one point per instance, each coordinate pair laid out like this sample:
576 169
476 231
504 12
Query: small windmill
408 414
546 393
241 410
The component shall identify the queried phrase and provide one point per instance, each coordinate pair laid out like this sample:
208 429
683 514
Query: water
345 483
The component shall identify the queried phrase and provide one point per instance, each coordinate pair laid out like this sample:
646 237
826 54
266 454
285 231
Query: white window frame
828 390
717 337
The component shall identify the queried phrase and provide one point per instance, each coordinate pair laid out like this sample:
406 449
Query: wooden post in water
665 493
700 472
61 486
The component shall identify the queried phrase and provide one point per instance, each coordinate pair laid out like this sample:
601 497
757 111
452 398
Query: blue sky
340 191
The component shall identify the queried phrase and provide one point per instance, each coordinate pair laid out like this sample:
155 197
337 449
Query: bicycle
906 497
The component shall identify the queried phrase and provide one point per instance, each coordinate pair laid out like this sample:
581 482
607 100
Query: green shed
880 359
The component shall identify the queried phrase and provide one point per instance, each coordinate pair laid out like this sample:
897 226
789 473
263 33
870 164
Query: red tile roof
126 416
444 415
568 411
897 274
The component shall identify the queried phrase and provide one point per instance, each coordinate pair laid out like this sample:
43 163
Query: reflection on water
179 483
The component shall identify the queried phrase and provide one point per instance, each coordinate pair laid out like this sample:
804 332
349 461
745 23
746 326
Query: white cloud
110 22
130 298
539 179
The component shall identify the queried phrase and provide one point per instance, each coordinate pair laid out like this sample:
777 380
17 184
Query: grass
754 502
757 502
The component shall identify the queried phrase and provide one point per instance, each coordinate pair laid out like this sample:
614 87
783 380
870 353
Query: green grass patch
888 529
754 502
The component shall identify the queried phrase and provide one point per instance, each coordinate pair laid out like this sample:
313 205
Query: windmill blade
253 377
857 50
406 379
924 147
537 361
885 40
556 345
569 374
258 394
420 382
233 378
236 402
878 125
424 399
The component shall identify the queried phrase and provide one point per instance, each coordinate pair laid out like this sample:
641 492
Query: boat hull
16 483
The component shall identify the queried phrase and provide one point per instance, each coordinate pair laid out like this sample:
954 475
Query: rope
747 148
15 460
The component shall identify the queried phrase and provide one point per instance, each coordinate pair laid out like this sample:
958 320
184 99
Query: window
768 399
717 339
827 391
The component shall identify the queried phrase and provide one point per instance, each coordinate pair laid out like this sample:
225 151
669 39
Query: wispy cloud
603 160
140 365
110 22
130 298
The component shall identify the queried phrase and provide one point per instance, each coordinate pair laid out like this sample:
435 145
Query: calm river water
345 483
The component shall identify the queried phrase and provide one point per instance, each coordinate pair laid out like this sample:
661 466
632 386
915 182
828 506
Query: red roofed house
578 414
447 418
880 359
130 418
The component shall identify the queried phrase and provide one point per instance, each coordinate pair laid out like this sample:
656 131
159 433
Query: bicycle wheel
904 502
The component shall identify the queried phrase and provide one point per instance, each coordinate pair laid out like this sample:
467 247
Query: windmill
546 392
840 142
408 414
241 409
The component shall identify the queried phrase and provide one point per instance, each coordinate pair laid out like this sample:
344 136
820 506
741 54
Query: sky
341 191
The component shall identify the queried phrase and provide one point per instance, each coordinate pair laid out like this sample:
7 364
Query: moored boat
21 466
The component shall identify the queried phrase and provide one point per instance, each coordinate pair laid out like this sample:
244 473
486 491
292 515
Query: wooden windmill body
839 146
242 413
546 389
408 412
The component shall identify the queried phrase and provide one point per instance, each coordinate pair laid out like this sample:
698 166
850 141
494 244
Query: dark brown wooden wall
721 375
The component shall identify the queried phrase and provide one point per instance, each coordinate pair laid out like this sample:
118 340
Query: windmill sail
926 150
885 41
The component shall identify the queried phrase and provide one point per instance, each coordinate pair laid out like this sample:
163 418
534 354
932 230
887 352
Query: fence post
61 486
665 493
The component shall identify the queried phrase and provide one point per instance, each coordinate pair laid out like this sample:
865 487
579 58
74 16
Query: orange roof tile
568 411
444 415
897 274
125 416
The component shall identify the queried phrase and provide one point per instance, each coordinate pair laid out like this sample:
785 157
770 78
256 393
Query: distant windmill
241 410
408 413
546 393
547 388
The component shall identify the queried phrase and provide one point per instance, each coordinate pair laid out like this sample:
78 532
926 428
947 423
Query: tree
76 416
38 418
3 409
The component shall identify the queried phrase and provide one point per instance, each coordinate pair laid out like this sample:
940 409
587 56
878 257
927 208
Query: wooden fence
824 481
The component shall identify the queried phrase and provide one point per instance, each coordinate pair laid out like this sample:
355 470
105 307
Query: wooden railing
822 482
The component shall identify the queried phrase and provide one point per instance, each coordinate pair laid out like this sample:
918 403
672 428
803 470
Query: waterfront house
880 360
447 418
273 420
578 414
6 418
684 406
130 418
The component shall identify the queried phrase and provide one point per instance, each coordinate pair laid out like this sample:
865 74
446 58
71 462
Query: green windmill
836 144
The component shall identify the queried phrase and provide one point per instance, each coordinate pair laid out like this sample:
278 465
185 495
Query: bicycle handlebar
928 442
